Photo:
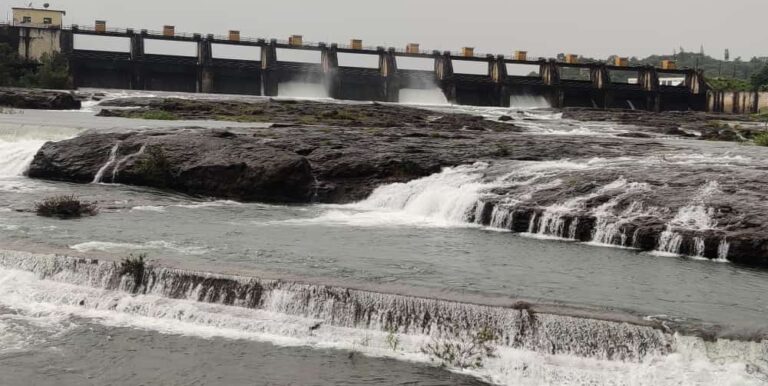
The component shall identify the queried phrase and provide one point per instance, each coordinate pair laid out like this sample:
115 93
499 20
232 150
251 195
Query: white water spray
413 96
110 162
304 90
526 101
125 159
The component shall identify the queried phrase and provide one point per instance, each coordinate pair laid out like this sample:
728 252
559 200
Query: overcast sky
597 28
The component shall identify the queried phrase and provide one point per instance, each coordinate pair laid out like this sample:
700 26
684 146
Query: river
59 324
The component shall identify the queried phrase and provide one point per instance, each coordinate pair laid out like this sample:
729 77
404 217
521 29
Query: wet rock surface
627 190
690 124
348 158
38 99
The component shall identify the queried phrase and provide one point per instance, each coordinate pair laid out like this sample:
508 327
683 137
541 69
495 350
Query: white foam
118 247
15 156
693 361
110 162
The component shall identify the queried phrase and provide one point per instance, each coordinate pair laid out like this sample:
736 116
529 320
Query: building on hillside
38 17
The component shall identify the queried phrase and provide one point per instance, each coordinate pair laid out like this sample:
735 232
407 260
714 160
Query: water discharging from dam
302 90
415 96
409 270
525 101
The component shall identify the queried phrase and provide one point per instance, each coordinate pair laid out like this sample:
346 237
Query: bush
53 73
761 139
65 207
154 167
467 351
134 267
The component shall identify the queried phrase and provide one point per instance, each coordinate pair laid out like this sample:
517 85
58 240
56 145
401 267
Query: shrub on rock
65 207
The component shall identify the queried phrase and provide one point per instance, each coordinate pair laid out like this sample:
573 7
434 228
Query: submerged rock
38 99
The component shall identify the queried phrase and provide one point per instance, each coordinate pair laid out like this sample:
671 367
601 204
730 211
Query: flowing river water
356 294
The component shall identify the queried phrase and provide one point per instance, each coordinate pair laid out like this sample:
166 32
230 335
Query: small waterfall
125 159
722 250
450 196
696 217
516 327
670 242
110 162
502 218
15 156
631 105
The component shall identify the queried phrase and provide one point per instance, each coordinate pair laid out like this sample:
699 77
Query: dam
136 69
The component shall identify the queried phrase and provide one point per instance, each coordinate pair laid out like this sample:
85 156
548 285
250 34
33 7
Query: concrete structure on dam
138 70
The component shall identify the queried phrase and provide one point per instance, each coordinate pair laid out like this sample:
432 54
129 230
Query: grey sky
589 27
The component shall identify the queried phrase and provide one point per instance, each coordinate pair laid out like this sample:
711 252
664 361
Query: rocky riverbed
38 99
636 189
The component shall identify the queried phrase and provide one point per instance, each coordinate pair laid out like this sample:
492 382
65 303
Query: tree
52 73
10 66
760 79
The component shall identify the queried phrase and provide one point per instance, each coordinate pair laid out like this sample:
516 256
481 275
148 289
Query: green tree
760 79
10 66
52 73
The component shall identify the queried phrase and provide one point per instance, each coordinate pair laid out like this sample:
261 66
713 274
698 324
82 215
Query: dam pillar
550 76
444 75
205 65
138 75
497 70
329 59
648 78
67 45
601 83
697 88
270 73
390 79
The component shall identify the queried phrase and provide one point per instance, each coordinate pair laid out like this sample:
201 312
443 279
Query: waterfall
125 159
110 162
696 216
449 196
15 156
516 327
531 343
722 250
612 214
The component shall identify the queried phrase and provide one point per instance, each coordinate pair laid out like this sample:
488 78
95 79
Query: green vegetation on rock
761 139
154 167
159 115
65 207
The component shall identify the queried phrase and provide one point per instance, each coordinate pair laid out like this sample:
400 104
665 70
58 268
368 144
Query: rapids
551 258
